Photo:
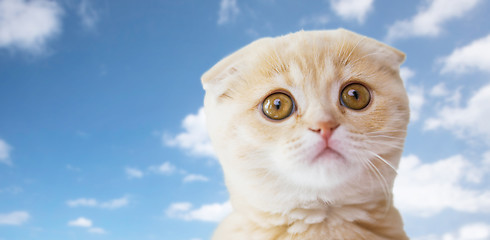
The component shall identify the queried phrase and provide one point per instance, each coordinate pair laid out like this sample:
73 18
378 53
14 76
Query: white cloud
472 231
165 168
88 15
473 56
416 101
133 172
28 25
195 138
406 73
5 152
14 218
91 202
82 202
86 223
208 213
320 20
195 178
430 18
469 121
425 189
352 9
115 203
415 94
439 90
228 11
80 222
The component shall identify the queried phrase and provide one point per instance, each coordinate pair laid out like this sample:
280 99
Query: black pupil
277 103
354 94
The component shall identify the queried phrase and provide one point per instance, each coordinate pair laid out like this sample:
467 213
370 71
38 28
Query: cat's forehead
318 57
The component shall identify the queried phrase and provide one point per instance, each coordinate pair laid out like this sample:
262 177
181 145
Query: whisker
398 146
384 161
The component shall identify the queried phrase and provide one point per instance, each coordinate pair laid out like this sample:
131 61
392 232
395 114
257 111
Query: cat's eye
278 106
355 96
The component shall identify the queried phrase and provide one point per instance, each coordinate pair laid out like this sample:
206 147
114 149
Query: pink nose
325 129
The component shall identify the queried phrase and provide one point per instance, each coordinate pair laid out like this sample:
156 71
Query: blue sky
102 137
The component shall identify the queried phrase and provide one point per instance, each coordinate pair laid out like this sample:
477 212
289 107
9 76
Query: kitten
309 129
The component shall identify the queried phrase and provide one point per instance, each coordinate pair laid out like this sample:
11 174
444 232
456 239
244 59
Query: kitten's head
322 112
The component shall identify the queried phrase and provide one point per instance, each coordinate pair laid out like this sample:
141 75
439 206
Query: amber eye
278 106
355 96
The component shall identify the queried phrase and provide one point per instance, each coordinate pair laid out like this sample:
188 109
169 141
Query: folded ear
382 52
216 77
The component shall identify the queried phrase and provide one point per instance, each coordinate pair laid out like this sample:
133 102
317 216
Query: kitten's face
310 110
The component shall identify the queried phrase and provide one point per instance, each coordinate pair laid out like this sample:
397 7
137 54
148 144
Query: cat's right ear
218 77
214 78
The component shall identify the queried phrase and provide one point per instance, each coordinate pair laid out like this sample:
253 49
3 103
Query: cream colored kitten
309 129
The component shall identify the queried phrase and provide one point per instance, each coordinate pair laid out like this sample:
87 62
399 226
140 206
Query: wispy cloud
5 149
195 178
471 231
14 218
86 223
316 21
228 11
165 168
11 190
88 15
429 20
352 9
134 172
194 138
208 213
474 56
425 189
92 202
470 121
28 25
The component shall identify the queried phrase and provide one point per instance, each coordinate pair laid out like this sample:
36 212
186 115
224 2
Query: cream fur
276 190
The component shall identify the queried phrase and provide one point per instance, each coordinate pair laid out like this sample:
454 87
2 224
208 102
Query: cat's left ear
384 53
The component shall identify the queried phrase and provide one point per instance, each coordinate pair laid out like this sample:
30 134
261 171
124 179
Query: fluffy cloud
27 25
228 11
352 9
14 218
415 93
194 138
5 153
91 202
425 189
465 121
430 18
472 231
208 213
86 223
195 178
134 172
88 15
80 222
416 101
473 56
406 73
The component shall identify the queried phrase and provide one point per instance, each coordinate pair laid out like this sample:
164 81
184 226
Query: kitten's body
288 181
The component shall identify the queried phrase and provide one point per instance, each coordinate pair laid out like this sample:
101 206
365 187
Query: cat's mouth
328 154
